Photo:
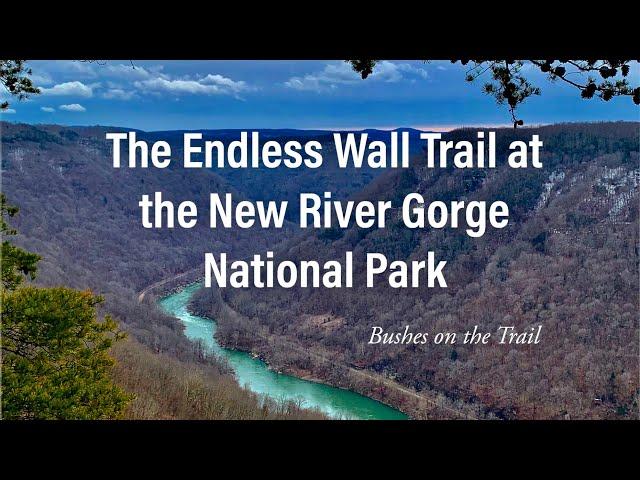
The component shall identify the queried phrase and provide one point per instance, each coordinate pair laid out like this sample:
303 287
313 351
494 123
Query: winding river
257 377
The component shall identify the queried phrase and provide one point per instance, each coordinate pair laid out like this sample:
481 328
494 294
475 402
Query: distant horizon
325 95
422 128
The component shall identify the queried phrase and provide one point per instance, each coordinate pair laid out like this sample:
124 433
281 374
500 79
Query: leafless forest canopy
568 261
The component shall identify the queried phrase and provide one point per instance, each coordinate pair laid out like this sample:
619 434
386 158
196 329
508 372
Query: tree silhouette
15 77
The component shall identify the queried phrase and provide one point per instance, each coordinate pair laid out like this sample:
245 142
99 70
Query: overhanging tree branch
510 85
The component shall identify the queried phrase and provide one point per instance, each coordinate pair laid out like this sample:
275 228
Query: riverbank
305 363
265 381
289 355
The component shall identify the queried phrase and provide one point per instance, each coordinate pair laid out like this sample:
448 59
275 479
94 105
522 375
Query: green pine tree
55 351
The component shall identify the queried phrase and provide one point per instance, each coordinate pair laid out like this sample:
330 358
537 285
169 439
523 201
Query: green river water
257 377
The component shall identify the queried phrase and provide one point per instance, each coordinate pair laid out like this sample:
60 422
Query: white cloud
341 73
329 77
75 68
8 110
208 85
224 82
124 81
41 78
73 107
177 86
75 88
48 109
411 69
118 94
83 68
130 71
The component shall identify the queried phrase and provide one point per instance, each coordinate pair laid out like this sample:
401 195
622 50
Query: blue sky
163 95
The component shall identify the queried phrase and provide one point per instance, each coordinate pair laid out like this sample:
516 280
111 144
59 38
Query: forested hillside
82 217
568 260
286 183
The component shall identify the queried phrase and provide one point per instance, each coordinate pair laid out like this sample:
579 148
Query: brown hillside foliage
168 389
568 261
